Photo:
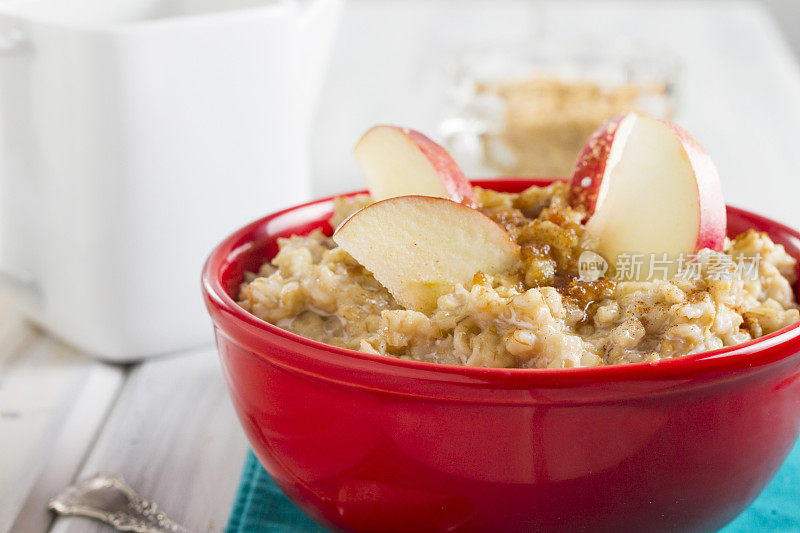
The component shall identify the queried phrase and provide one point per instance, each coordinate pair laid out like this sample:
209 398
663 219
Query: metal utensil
108 498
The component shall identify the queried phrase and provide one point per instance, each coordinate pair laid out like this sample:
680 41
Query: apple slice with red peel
420 247
657 192
597 159
400 161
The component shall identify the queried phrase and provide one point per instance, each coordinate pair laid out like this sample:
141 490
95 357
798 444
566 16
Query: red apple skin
713 215
457 186
590 167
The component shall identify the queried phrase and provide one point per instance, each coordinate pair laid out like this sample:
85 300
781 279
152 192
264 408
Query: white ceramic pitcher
134 134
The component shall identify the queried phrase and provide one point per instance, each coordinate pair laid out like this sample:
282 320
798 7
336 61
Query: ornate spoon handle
108 498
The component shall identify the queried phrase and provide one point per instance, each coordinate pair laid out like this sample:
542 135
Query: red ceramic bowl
369 443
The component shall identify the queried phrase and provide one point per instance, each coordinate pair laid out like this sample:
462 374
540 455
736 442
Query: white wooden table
167 426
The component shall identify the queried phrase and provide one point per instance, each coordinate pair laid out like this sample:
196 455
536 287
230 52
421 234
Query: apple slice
656 192
597 158
420 247
400 162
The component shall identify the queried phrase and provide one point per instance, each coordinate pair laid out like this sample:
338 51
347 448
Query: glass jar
526 109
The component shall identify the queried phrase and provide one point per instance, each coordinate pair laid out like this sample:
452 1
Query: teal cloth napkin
260 506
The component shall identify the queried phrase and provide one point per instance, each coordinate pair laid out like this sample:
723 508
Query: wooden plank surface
173 435
53 400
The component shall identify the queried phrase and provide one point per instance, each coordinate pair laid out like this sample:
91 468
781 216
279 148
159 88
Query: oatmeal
541 314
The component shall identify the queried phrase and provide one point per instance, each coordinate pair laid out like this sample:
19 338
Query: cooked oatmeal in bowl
365 442
540 314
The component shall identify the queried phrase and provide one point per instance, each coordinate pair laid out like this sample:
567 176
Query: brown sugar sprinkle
539 266
586 296
559 215
532 206
562 242
583 293
509 218
545 226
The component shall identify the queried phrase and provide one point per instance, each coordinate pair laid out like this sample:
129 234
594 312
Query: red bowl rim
753 353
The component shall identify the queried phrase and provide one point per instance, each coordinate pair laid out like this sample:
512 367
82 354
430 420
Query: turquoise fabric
778 507
261 507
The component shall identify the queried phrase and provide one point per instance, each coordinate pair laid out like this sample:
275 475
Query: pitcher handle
17 285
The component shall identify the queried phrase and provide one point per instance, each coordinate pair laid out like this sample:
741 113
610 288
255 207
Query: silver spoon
108 498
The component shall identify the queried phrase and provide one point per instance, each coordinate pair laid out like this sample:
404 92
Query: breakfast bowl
364 442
